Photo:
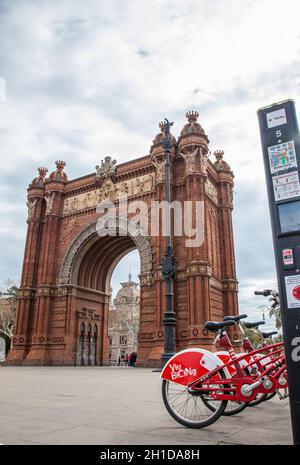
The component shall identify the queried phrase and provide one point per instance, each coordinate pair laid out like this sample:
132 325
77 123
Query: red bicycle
194 380
233 408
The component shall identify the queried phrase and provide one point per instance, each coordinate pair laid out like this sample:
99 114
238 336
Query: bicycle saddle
253 325
268 334
215 326
235 318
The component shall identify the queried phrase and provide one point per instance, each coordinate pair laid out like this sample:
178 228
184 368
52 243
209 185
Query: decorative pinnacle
60 164
42 171
192 116
219 154
162 125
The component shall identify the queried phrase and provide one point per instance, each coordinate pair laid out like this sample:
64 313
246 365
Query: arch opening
87 269
124 310
124 241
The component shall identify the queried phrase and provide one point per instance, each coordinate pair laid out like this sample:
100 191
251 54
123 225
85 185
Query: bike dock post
281 153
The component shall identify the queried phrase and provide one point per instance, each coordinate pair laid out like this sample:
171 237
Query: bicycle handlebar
265 292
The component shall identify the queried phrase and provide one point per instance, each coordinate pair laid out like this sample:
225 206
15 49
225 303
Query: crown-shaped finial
60 164
42 171
219 154
162 126
192 116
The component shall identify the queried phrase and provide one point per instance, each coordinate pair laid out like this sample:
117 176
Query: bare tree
8 304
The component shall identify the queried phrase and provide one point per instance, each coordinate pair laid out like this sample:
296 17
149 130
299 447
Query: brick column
193 148
225 176
27 291
46 277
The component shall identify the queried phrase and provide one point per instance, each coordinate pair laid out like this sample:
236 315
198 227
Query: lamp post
168 262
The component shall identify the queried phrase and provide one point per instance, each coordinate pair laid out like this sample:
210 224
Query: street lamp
168 262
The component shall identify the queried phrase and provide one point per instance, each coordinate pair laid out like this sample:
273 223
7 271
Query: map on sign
286 186
282 157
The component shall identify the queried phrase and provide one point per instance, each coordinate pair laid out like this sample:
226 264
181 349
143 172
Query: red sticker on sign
296 292
287 255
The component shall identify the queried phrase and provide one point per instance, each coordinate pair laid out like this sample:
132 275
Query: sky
86 81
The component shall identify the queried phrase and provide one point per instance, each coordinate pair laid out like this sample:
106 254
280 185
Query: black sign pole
281 152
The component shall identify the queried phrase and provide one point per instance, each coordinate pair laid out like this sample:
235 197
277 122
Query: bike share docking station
281 153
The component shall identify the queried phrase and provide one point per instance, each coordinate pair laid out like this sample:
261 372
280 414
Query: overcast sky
89 79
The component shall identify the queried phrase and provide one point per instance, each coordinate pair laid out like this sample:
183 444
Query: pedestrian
133 359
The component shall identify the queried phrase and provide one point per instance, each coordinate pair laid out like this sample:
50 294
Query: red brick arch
67 266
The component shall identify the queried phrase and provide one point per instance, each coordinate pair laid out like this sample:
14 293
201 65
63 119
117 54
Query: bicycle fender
190 364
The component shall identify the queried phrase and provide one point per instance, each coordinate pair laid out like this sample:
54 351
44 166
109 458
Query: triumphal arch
63 303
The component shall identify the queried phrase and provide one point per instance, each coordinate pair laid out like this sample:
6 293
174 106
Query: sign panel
276 118
287 257
286 186
281 154
289 217
282 157
292 286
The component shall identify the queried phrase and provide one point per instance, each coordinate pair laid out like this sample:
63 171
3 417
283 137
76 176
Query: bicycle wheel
271 395
187 406
232 408
259 399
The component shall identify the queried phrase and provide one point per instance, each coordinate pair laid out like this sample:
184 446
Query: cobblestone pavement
110 405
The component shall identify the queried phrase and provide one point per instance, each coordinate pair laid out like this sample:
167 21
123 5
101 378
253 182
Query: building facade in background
123 322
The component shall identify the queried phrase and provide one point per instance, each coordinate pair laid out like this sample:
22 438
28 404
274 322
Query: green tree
252 335
274 311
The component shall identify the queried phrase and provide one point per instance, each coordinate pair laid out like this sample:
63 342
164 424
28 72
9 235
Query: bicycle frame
223 340
242 387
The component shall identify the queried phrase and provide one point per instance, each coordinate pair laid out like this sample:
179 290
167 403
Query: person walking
133 358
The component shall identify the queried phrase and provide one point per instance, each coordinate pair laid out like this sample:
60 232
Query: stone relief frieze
211 191
109 191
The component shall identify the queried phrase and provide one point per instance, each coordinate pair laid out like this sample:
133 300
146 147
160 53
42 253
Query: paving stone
69 405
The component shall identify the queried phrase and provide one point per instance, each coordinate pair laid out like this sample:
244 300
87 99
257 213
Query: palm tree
277 314
274 311
252 335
